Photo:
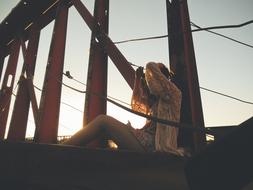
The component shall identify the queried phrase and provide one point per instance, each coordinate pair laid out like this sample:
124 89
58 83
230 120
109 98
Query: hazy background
223 65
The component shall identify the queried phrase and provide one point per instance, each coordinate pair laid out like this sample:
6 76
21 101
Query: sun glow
125 117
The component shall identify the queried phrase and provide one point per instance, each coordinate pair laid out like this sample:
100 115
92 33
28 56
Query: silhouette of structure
24 24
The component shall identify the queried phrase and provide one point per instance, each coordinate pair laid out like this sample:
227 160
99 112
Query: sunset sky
223 65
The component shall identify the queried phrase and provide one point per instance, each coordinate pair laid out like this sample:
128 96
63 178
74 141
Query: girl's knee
101 118
106 122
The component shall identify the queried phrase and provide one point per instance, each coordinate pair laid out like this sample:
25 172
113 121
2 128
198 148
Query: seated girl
154 94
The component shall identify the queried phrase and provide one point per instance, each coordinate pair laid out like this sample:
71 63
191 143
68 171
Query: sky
223 65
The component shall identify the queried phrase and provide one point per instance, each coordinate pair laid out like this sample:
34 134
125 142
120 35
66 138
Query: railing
60 139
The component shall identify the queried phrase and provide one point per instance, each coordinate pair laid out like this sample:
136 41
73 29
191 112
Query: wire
207 29
224 26
163 121
141 39
228 96
167 122
64 126
72 107
62 101
218 34
67 74
203 88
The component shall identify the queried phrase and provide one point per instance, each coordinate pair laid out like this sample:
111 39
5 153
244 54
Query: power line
167 122
141 39
207 29
64 126
224 36
72 107
67 74
228 96
203 88
80 91
224 26
62 101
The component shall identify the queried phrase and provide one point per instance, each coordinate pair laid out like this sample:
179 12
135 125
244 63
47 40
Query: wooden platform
42 166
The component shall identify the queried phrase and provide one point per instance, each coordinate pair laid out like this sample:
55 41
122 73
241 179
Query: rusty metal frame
183 64
98 66
47 130
97 71
2 58
113 52
181 57
7 86
25 93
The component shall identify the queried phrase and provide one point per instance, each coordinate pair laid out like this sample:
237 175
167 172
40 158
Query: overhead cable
141 39
67 74
222 35
224 26
203 88
163 121
66 104
228 96
207 29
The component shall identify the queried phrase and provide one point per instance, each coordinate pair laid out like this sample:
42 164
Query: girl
155 94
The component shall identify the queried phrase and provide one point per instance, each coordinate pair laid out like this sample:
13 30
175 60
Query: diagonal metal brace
102 38
31 91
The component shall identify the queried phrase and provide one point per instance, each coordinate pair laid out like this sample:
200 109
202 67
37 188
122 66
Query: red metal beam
97 71
2 57
51 94
183 64
29 70
18 124
32 96
113 52
7 87
21 16
96 88
192 76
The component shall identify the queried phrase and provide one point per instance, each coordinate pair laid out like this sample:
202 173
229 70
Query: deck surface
42 166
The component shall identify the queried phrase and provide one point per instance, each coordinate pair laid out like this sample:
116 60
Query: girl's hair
165 71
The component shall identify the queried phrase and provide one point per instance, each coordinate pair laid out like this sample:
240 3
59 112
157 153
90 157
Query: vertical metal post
7 86
96 88
192 75
97 71
18 124
1 63
51 95
113 52
183 64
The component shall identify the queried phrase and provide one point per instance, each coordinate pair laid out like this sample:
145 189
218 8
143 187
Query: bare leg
114 129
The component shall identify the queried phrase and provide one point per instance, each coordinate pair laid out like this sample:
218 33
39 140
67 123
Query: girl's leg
114 129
